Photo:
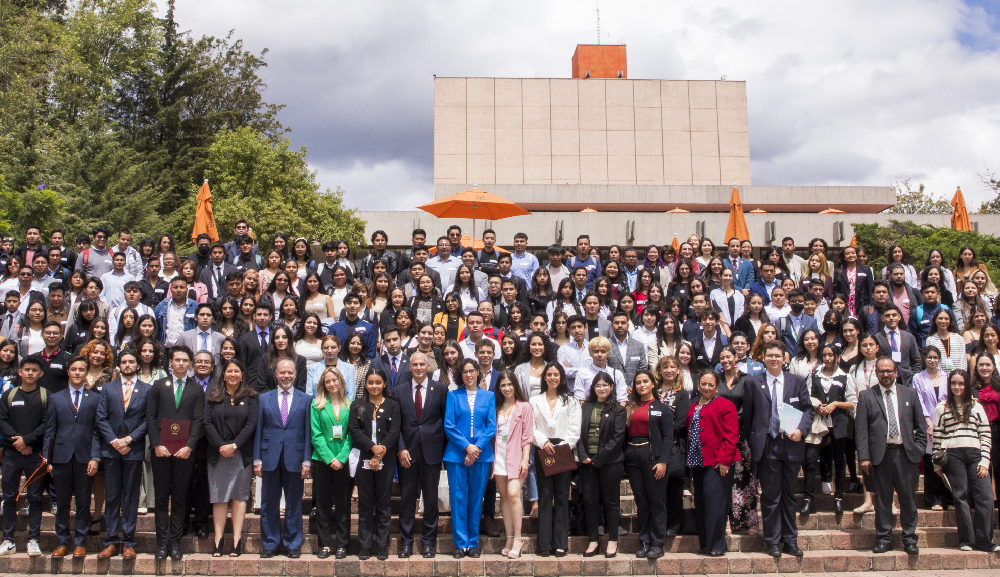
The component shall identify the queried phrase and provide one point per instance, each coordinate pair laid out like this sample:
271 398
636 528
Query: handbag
939 458
676 461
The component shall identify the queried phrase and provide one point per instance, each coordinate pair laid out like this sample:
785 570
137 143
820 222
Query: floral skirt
743 509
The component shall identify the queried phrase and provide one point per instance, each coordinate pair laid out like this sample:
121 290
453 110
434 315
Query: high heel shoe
589 552
237 549
218 549
506 550
613 553
515 553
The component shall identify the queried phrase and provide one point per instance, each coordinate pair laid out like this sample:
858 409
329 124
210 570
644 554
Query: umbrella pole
473 227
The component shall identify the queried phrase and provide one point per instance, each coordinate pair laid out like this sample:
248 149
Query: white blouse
563 422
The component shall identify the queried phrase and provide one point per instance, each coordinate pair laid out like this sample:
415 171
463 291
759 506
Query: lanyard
375 419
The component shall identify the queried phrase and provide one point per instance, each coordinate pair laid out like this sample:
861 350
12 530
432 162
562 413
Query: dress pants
490 499
420 477
122 483
171 481
935 491
201 505
272 533
962 471
332 495
605 481
14 465
814 454
147 493
649 494
895 474
375 503
675 503
71 480
466 486
711 493
777 476
553 507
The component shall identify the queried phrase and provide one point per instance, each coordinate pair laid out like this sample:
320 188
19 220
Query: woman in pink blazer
512 445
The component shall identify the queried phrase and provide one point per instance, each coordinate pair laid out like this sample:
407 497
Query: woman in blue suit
470 422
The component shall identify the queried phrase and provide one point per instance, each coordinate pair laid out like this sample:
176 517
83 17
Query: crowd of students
145 380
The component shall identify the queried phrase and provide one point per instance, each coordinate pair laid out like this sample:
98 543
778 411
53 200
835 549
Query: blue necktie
892 341
76 399
775 419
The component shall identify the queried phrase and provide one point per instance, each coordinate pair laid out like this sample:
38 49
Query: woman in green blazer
331 474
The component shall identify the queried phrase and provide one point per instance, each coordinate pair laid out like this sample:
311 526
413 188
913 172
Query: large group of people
216 383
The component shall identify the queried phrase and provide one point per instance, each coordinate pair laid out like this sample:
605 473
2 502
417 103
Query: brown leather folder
174 434
562 461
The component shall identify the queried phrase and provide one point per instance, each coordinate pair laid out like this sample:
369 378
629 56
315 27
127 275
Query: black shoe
472 552
594 552
202 533
838 507
912 549
267 553
341 553
175 552
162 552
383 554
459 553
312 514
643 550
237 549
882 548
365 553
544 553
717 554
774 551
703 551
672 532
294 553
218 549
428 551
655 553
856 487
406 551
806 507
323 553
793 549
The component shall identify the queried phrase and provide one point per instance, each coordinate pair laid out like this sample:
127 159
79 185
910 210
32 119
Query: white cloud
851 92
379 186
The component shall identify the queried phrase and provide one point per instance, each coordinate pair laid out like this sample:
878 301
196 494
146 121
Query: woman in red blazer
713 429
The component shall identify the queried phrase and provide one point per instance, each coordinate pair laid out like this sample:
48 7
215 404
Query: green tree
917 201
36 206
992 184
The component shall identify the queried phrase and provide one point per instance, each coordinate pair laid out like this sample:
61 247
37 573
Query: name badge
655 413
158 290
504 431
897 356
190 316
550 424
17 404
635 358
862 274
338 432
55 366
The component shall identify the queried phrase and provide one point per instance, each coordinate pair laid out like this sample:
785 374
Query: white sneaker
142 510
965 548
54 508
827 488
33 549
7 548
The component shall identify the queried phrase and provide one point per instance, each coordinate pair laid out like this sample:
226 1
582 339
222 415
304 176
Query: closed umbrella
960 214
737 226
204 220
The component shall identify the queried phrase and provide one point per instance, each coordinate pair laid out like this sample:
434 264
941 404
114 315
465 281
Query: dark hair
122 332
182 349
272 349
514 358
963 412
803 353
218 394
386 383
562 389
602 377
994 379
32 360
498 397
549 354
345 353
301 332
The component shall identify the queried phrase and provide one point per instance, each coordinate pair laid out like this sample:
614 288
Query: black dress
743 510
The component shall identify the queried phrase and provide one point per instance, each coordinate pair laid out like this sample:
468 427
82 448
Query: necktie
892 341
218 278
418 403
263 338
775 419
890 408
127 393
284 408
178 391
76 399
204 341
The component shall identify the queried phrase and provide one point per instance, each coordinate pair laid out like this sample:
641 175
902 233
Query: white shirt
291 400
644 335
709 344
423 393
774 313
573 357
563 422
777 391
115 313
175 322
469 348
622 345
114 287
585 378
895 400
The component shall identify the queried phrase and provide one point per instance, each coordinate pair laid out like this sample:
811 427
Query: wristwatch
128 439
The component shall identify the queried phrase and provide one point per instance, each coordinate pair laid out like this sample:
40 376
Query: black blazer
428 434
661 431
383 362
871 427
840 417
910 362
863 285
266 381
250 349
160 405
701 358
387 428
757 413
238 426
610 434
744 326
115 422
71 434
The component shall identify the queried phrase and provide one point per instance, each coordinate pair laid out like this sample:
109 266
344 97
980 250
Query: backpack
44 392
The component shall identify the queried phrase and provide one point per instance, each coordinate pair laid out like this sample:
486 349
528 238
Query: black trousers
171 481
814 454
122 480
994 456
374 503
420 477
596 482
675 503
332 496
851 453
962 471
777 476
71 480
649 493
14 465
711 504
935 491
895 474
200 504
553 508
490 499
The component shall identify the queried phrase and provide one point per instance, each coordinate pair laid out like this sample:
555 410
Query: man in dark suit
393 361
72 443
121 423
214 275
633 358
899 345
709 344
177 397
778 453
202 337
504 262
890 433
792 326
199 503
253 344
421 447
281 458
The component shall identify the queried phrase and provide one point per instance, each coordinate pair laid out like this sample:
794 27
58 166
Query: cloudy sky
850 92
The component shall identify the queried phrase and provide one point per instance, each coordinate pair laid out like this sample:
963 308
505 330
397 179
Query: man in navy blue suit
778 453
421 447
121 423
797 322
282 450
742 268
395 364
71 436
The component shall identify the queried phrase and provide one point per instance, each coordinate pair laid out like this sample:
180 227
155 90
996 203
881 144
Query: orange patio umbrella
960 216
737 226
467 241
473 204
831 211
204 221
677 210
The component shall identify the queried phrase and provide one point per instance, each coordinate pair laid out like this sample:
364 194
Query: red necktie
419 403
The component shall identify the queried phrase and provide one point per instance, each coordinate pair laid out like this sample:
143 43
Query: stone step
929 559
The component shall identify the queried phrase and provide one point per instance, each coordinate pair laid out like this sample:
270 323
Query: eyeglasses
471 372
885 371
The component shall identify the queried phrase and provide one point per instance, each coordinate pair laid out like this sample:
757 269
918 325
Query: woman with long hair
730 385
680 284
128 328
564 301
247 307
712 274
668 339
828 389
612 272
512 449
230 424
817 272
931 385
9 280
510 351
288 314
936 258
669 382
935 276
331 441
850 351
987 343
381 286
853 280
684 252
772 255
982 280
516 323
654 264
272 266
962 438
602 461
453 316
541 291
252 285
727 300
197 291
753 317
302 255
977 320
426 303
229 322
969 299
767 333
150 357
627 304
643 284
657 298
559 333
986 388
602 288
946 339
706 250
448 373
353 353
536 354
8 365
861 375
29 333
281 346
894 254
307 339
164 244
967 264
280 289
466 289
686 364
809 355
75 291
315 300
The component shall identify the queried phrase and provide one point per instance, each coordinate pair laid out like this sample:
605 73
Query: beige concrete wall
590 131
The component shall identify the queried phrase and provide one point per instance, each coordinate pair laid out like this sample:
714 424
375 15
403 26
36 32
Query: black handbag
677 461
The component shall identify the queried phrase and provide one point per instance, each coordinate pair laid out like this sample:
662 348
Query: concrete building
630 149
